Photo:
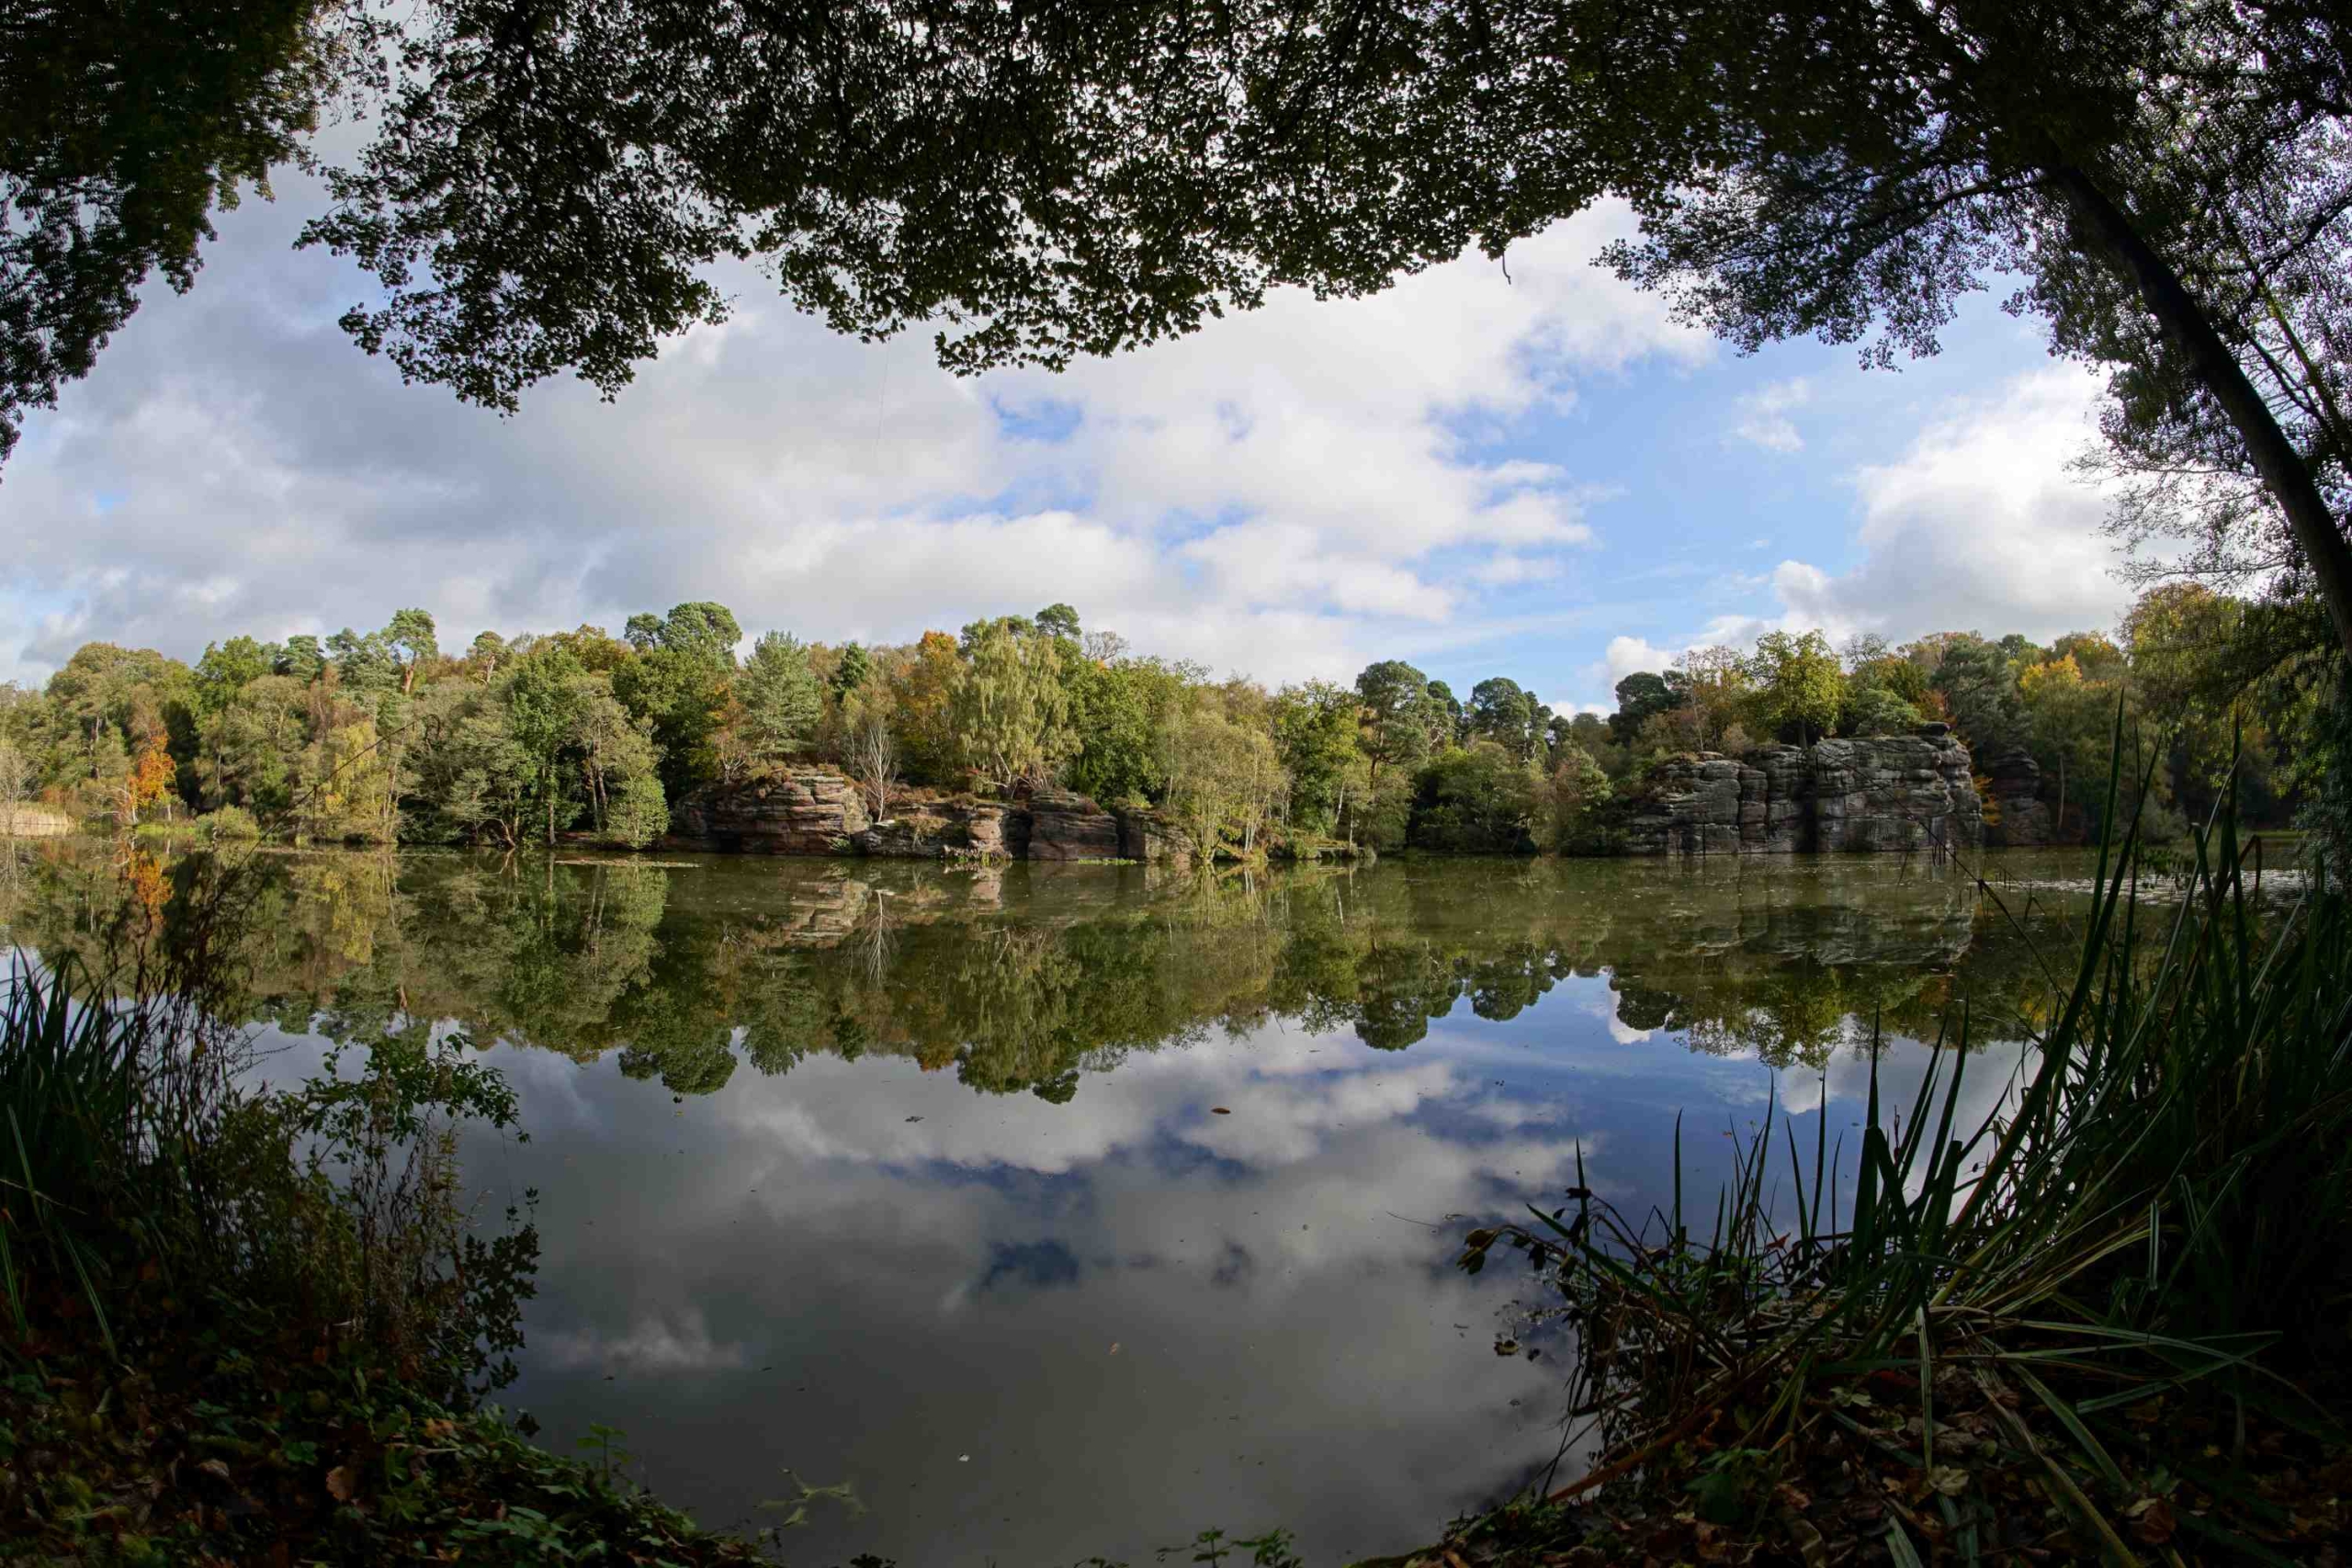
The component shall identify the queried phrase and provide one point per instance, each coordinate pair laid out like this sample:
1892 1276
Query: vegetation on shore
2107 1322
384 737
245 1326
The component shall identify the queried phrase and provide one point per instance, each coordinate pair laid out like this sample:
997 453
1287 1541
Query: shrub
230 823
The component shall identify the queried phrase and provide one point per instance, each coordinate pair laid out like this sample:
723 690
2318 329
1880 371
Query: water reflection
1059 1210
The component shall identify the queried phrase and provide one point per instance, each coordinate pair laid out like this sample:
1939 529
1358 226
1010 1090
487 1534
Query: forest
388 737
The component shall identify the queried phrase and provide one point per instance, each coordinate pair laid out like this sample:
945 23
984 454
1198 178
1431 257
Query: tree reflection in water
1029 978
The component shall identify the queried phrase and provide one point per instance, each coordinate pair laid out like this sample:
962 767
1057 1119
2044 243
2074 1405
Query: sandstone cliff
1894 792
816 811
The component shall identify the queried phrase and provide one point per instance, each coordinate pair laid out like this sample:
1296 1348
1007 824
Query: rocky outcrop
1067 825
985 830
815 811
798 811
1902 793
2014 814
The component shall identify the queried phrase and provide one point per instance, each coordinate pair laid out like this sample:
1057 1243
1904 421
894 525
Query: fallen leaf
2152 1521
342 1484
1220 1110
1949 1479
216 1469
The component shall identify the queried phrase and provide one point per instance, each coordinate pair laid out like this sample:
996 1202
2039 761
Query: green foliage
1800 688
1317 739
1576 799
1225 780
1978 682
229 824
1639 696
1119 708
780 695
1397 717
1501 712
679 698
1481 799
227 669
1011 707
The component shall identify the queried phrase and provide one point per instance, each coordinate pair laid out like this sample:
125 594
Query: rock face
2015 816
1068 825
1897 792
800 811
815 811
937 829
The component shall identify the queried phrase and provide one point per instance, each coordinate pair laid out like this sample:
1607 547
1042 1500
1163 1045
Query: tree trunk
2183 322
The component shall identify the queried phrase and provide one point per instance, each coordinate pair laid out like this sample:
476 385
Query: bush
228 824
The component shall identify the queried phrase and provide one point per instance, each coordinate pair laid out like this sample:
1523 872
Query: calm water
1061 1211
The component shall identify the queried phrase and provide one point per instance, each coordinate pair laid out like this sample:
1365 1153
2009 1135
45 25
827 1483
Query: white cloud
1625 655
649 1345
1763 415
1979 525
1286 491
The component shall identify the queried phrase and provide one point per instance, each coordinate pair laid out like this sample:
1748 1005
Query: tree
1012 711
619 766
485 654
2108 153
411 638
1800 687
1316 738
873 762
1059 620
1502 711
301 658
345 790
1397 717
1639 696
682 697
922 696
148 780
852 670
364 661
781 699
1224 779
2165 175
121 128
227 667
543 700
1578 792
1980 687
1475 799
1447 718
1118 709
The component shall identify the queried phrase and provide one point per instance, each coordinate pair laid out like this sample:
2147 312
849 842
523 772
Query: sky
1532 472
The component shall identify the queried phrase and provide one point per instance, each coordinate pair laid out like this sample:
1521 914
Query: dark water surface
1066 1210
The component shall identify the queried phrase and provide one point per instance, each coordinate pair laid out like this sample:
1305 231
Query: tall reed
2160 1203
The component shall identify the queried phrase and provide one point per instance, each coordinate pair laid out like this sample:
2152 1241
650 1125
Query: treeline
386 737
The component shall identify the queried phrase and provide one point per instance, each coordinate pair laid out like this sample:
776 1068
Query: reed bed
2107 1321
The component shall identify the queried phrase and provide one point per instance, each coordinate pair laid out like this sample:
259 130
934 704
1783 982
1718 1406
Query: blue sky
1541 476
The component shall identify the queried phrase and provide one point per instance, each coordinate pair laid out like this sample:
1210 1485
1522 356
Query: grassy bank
2107 1322
247 1326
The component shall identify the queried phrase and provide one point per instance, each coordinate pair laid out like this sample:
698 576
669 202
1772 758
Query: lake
1061 1211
